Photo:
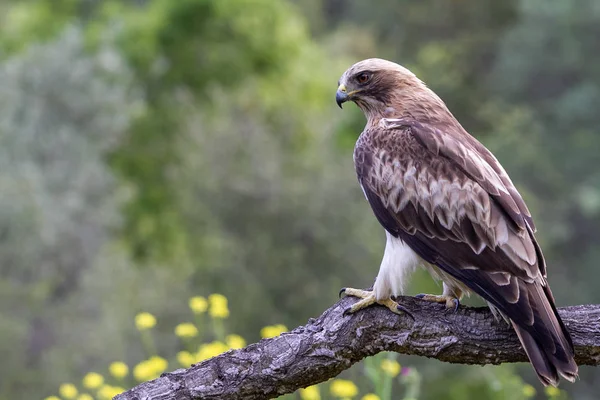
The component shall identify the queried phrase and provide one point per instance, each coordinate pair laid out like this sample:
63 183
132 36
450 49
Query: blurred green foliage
155 149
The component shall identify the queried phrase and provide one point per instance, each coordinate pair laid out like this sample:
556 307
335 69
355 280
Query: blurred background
155 150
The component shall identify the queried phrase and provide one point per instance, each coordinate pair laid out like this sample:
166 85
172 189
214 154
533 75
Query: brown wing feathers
474 160
450 200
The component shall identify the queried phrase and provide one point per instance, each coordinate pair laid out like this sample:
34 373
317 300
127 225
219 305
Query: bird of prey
448 206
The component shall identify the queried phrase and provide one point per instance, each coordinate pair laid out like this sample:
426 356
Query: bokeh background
155 150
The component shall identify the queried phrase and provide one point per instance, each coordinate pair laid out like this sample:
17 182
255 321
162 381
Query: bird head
375 85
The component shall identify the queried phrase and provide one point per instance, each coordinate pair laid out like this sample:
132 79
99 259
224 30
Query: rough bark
327 345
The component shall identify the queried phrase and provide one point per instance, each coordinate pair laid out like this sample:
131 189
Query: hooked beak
341 96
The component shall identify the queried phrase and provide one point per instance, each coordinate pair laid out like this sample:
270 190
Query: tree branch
328 345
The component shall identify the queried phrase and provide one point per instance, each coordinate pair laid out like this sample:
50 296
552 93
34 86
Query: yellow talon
450 301
368 298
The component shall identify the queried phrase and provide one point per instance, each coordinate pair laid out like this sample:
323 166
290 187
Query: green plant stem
218 329
148 343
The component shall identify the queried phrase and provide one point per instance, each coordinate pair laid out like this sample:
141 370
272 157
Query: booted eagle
448 206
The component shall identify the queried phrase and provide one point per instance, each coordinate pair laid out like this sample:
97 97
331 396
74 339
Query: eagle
447 205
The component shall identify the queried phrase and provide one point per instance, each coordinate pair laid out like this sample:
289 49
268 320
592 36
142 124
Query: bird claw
404 310
450 301
456 304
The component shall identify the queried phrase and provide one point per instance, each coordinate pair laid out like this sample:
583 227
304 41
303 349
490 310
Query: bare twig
327 345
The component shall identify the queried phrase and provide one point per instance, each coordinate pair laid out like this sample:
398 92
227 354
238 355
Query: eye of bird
363 78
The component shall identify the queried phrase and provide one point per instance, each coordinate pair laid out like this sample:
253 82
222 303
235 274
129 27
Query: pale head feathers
390 91
378 64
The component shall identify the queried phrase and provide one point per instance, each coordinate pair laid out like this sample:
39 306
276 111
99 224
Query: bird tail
547 343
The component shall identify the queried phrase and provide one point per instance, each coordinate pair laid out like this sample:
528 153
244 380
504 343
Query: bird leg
450 296
368 298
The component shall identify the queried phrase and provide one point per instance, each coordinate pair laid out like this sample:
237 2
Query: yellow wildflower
209 350
68 391
528 391
150 368
310 393
343 388
93 380
52 398
84 396
218 306
107 392
143 371
371 396
185 358
551 391
118 369
144 321
235 341
198 304
186 330
158 364
272 331
391 367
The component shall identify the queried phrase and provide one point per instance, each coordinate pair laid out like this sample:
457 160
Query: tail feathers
547 365
546 341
